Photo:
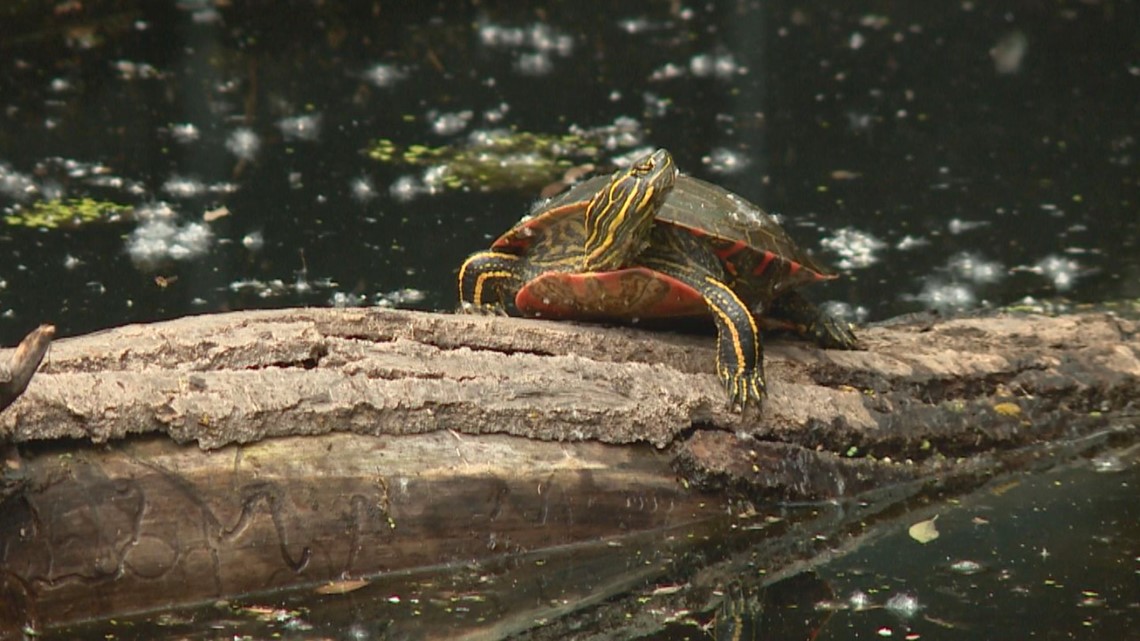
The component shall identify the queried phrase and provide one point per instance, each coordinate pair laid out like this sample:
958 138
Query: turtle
647 243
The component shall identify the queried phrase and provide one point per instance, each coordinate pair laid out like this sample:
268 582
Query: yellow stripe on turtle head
620 215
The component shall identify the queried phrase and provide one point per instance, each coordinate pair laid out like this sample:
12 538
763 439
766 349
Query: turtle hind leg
794 312
740 357
487 281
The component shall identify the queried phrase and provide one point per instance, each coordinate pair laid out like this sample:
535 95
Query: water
907 147
942 156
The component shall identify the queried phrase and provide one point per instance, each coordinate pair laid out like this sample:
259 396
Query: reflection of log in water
163 524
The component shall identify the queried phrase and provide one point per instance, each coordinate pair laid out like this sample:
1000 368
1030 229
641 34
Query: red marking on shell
729 251
763 266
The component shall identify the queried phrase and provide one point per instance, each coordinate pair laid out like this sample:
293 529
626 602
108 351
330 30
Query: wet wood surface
918 388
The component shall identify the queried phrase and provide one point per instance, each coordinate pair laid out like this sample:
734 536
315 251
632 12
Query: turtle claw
488 309
745 387
830 332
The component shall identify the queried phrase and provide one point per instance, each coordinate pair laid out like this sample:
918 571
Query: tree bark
922 392
433 438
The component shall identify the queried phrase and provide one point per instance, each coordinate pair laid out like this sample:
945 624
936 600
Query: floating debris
924 531
491 159
68 213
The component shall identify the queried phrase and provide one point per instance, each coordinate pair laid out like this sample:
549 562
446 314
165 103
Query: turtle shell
759 258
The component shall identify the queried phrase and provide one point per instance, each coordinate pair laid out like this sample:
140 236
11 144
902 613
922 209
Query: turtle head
620 215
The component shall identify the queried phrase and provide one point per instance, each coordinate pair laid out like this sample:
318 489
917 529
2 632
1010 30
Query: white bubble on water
159 239
958 226
857 249
305 128
406 188
946 297
720 66
184 133
243 143
448 124
909 242
1009 53
155 211
400 298
903 605
16 185
383 75
362 189
668 71
190 241
723 160
538 63
845 311
347 299
183 187
1063 272
253 241
976 269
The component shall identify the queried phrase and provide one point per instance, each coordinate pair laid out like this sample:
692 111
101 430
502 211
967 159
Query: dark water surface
939 155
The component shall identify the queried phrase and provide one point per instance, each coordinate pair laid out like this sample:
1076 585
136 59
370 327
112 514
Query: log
256 450
921 392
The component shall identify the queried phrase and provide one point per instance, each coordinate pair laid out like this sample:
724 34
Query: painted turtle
650 243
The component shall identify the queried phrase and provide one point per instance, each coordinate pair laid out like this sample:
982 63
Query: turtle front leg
487 281
740 356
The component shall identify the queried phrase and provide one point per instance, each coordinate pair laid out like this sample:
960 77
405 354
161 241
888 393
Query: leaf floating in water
924 531
342 587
